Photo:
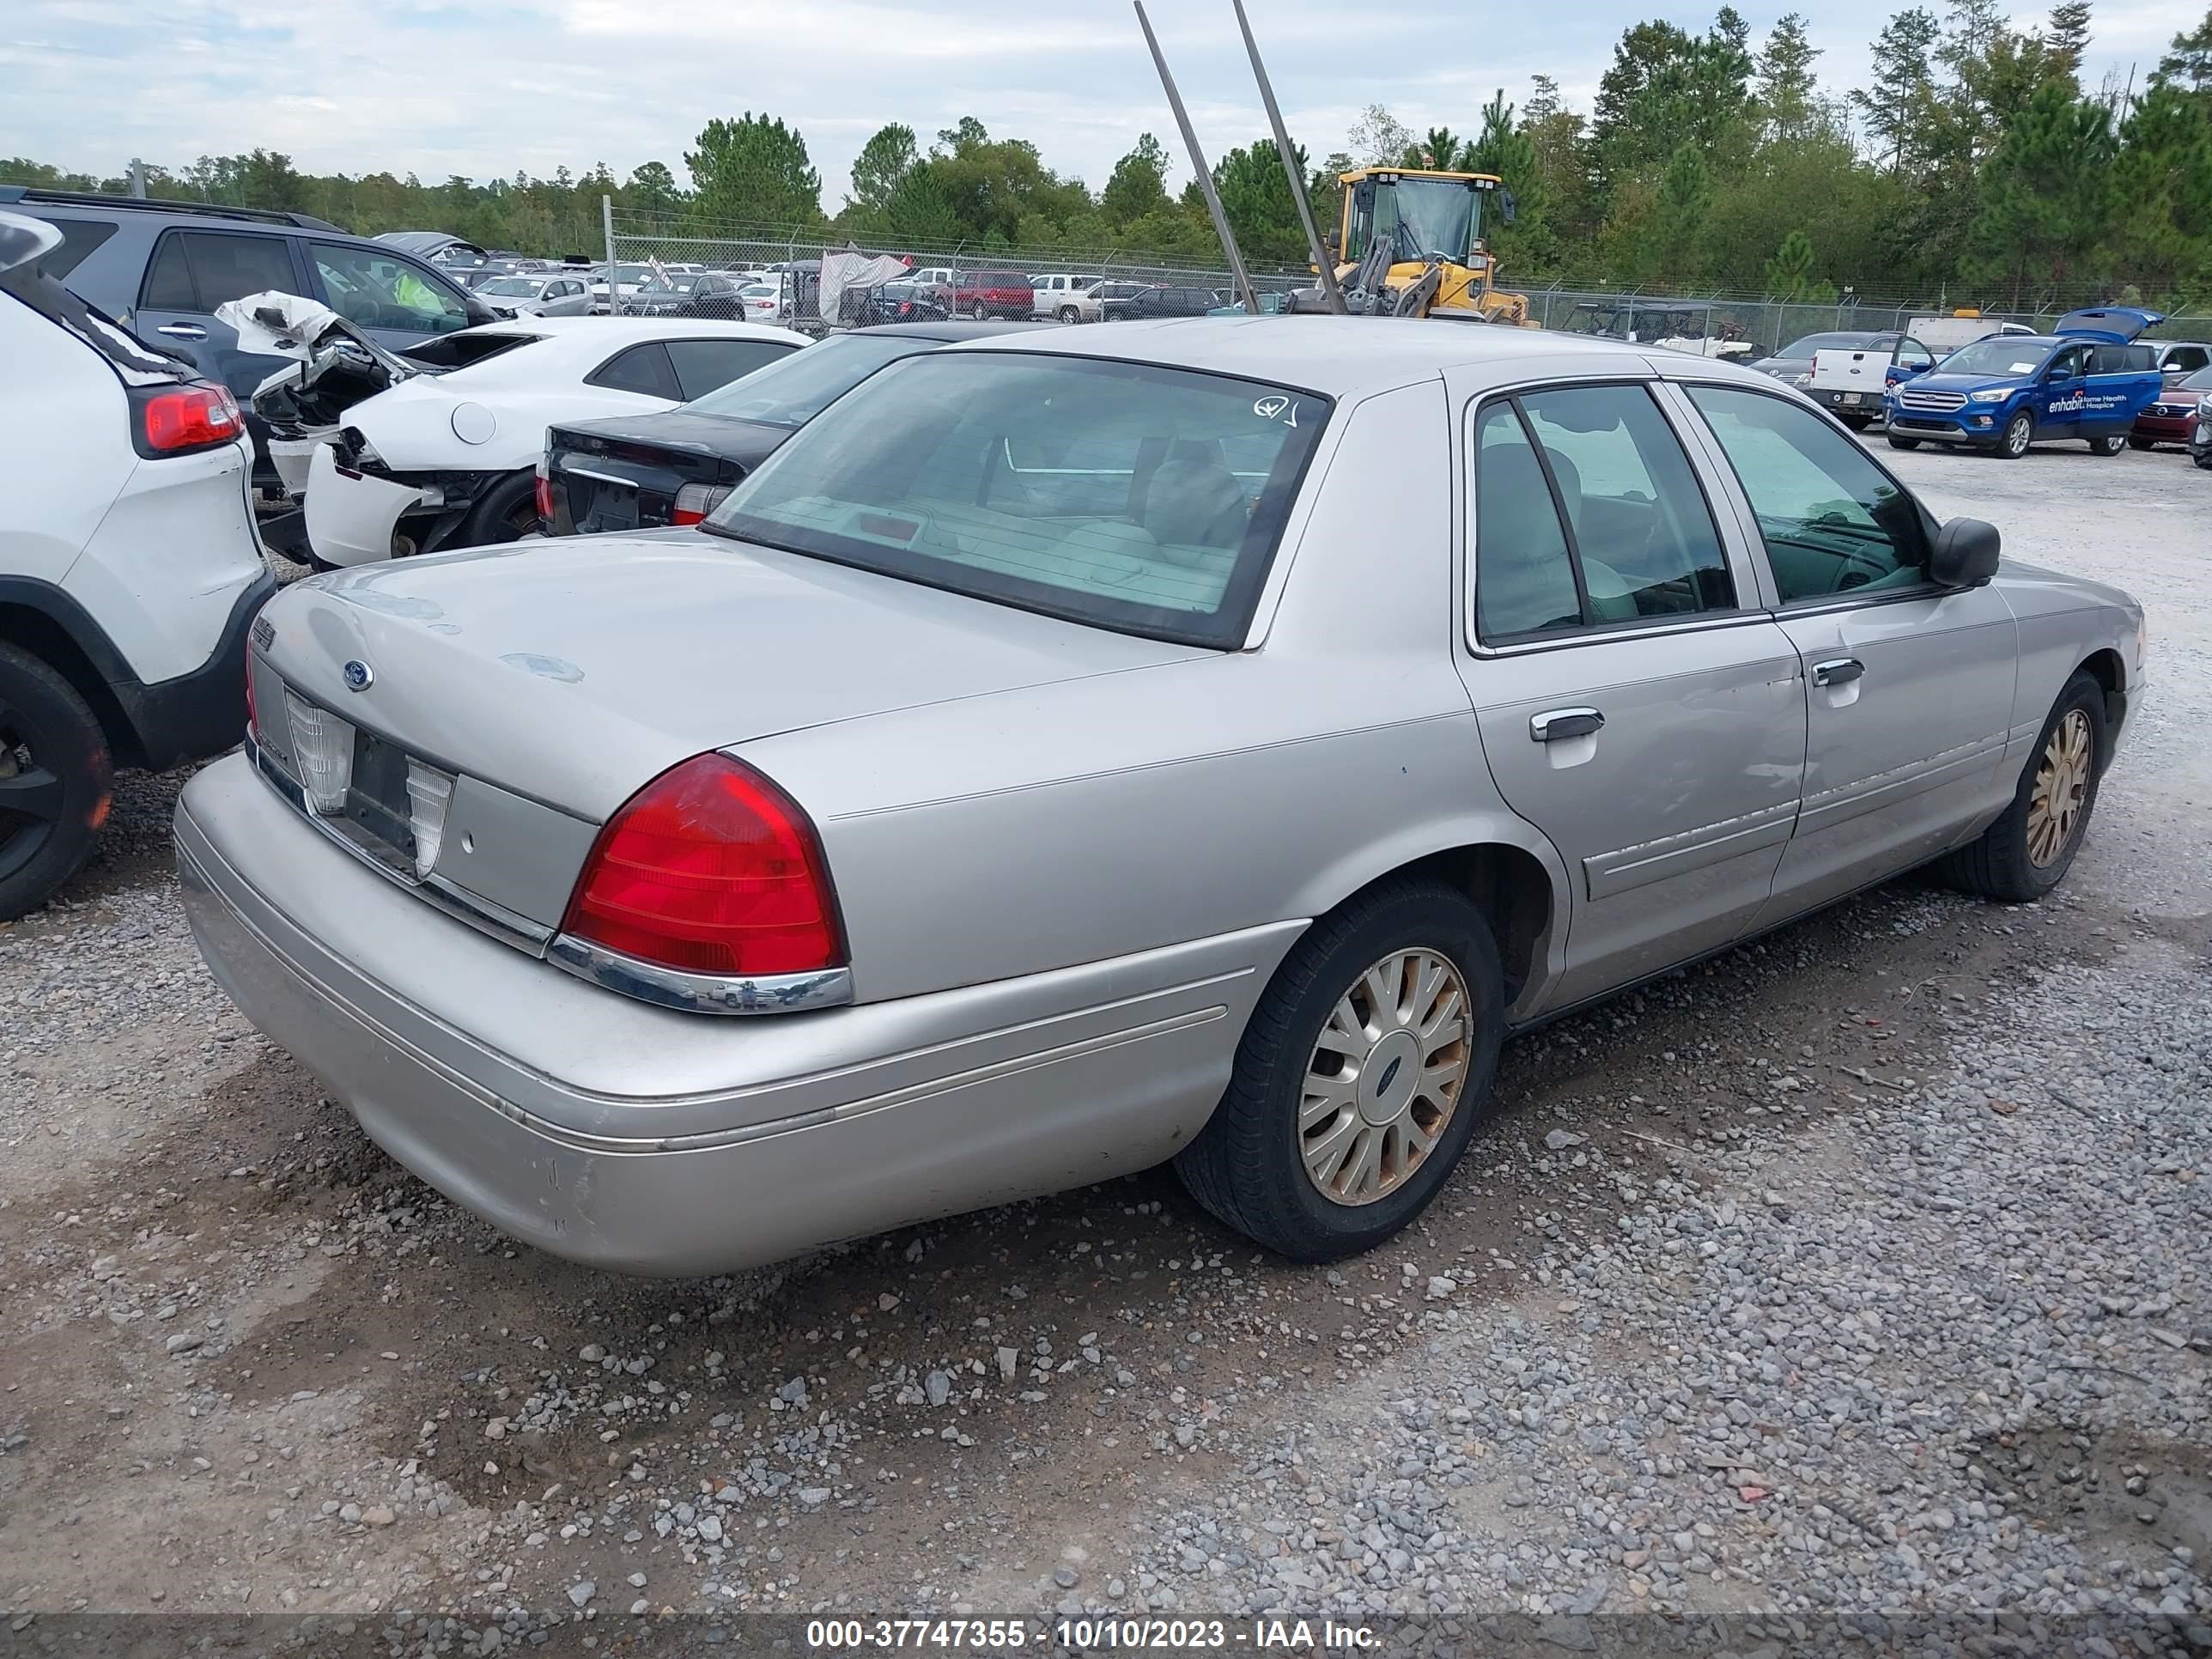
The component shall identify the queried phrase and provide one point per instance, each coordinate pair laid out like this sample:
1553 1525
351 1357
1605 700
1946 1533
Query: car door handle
182 331
1841 671
1563 723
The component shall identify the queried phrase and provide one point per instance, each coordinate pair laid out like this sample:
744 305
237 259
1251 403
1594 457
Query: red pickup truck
993 294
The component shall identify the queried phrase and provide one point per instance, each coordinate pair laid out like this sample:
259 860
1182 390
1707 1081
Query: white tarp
853 268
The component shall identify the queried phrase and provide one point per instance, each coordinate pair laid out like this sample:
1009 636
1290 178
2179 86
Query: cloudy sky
485 86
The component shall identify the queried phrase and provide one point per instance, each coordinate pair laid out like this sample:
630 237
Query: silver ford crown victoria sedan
1202 740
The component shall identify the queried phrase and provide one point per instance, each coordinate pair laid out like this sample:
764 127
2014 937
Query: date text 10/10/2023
986 1635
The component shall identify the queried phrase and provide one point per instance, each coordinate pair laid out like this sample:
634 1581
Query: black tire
55 782
506 513
2019 434
1069 315
2141 443
1857 422
1245 1164
2204 460
1896 442
2109 443
1999 863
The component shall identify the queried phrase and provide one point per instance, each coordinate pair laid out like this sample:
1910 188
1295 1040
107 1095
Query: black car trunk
626 473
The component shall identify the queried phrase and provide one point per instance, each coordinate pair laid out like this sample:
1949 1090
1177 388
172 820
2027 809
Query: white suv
129 571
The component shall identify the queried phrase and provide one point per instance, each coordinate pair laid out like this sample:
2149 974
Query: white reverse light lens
430 792
322 744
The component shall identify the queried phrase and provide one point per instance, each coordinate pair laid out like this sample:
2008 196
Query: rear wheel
2204 461
2109 443
2019 433
55 778
1069 315
1896 442
1360 1077
506 512
2027 851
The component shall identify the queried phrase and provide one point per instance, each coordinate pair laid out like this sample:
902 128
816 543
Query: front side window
1913 355
1142 498
1834 523
2068 364
372 290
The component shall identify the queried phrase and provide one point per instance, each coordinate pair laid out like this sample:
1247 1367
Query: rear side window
643 368
1834 523
196 271
704 366
1640 538
79 238
2188 358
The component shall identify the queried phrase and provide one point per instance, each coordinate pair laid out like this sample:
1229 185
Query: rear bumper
201 712
637 1139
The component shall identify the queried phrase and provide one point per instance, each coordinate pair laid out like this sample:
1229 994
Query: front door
1635 703
2061 393
395 302
1909 686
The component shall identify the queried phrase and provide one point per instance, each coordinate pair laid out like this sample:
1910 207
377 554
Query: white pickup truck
1852 380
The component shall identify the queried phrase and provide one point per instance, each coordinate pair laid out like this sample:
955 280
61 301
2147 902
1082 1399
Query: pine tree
1788 102
2046 192
2068 38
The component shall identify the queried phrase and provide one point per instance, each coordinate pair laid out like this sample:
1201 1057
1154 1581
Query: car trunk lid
624 473
572 671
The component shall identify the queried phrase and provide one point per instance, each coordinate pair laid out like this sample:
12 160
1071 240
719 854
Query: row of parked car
1065 760
2002 388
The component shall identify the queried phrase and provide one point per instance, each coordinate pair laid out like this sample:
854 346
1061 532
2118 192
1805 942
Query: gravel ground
1850 1284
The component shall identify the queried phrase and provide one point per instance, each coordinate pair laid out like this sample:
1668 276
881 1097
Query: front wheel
55 778
1069 315
2019 433
2027 851
1896 442
1360 1077
2109 443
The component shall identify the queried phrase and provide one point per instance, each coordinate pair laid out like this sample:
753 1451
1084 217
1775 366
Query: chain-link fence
952 276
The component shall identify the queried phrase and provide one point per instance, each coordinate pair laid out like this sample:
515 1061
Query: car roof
952 331
1341 356
427 242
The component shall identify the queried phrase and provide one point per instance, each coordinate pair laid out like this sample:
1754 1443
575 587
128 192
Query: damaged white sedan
446 454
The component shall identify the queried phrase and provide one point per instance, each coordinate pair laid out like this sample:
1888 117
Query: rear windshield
1813 343
795 388
1129 496
1999 355
2200 381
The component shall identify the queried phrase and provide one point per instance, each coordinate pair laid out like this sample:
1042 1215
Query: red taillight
694 502
195 416
544 499
710 869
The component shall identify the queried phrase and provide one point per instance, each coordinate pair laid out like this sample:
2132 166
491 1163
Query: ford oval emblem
359 675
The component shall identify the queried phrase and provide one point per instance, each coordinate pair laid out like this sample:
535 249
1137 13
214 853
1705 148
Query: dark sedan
1164 300
629 472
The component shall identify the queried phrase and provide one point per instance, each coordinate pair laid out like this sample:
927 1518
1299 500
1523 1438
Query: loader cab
1421 216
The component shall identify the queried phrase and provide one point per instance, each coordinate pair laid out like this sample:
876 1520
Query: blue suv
2087 378
161 268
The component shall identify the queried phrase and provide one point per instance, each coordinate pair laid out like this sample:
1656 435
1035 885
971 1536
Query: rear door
193 272
1636 701
1909 686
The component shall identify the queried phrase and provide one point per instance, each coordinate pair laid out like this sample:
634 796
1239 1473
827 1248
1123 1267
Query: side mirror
1965 553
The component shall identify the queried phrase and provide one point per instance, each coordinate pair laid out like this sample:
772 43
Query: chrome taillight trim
700 993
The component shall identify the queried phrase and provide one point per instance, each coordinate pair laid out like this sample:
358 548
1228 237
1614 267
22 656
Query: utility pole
1243 277
1323 263
614 271
137 178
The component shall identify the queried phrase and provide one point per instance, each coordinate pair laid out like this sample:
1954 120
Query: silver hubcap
1384 1077
2061 790
2016 436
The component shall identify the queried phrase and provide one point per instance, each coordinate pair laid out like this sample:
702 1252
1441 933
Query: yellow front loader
1410 244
